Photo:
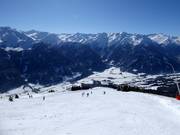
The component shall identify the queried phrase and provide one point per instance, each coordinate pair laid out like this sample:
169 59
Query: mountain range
48 58
25 39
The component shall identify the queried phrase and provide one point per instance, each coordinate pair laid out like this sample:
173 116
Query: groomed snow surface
68 113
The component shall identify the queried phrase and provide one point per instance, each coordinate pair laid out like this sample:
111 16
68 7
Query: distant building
96 83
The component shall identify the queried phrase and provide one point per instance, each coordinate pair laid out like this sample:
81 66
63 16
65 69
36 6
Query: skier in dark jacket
10 98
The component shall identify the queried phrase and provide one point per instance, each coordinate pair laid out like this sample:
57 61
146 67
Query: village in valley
111 78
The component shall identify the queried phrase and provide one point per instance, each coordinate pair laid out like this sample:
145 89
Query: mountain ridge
34 36
46 58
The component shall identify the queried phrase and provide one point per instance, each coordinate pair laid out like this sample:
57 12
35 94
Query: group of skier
30 96
88 94
11 97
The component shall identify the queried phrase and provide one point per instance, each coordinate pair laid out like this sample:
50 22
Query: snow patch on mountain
33 35
114 37
164 39
160 38
17 49
136 40
176 40
37 36
78 38
123 37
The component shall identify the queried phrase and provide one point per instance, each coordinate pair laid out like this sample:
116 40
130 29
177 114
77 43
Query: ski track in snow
68 113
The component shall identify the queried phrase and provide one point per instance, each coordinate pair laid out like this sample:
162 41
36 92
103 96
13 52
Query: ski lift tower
178 93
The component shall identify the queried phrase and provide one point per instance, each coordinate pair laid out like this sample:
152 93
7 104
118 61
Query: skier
104 92
16 96
83 94
87 94
10 98
44 98
30 96
91 92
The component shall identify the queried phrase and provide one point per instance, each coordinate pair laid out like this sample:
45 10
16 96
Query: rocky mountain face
45 64
47 58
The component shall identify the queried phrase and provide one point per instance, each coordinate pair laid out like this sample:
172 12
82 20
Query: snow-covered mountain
46 58
12 38
102 38
56 39
15 38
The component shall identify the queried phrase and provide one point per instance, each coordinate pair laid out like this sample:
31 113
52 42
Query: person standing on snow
83 94
44 98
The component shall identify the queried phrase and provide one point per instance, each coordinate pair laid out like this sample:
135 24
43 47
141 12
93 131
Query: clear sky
92 16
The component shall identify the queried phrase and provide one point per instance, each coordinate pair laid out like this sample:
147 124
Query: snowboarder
87 94
44 98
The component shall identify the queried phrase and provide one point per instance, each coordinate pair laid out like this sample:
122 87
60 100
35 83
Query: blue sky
92 16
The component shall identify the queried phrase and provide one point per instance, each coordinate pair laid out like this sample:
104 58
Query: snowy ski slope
68 113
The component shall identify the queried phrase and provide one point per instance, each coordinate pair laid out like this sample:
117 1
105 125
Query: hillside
68 113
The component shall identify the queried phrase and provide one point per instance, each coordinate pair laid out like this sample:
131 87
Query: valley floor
68 113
